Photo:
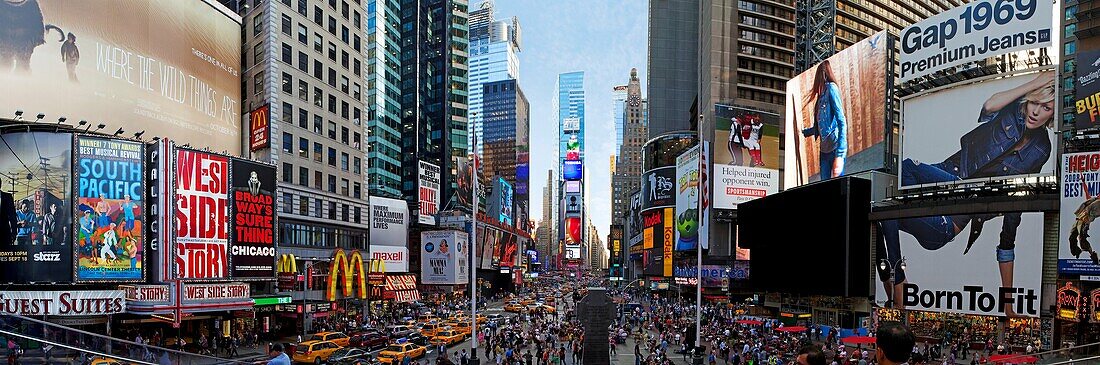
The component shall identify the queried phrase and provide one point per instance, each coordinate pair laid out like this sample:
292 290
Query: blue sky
603 38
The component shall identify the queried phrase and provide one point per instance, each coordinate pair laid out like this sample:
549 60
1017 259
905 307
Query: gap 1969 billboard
110 211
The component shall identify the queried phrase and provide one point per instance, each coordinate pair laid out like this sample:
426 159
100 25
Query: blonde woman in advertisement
1012 138
830 126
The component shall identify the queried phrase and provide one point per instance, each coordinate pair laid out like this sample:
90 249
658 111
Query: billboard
201 215
259 128
691 214
254 220
110 210
996 128
444 257
572 170
836 114
972 32
1087 89
503 192
394 259
748 167
1079 207
37 228
931 268
658 188
429 193
572 231
389 220
157 72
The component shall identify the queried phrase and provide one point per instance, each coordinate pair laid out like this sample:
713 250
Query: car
100 360
395 353
426 317
495 318
513 307
338 338
462 327
314 351
526 301
418 339
429 329
447 337
351 356
369 340
399 330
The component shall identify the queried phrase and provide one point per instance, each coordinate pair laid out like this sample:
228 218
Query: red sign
222 291
259 127
287 280
202 201
146 293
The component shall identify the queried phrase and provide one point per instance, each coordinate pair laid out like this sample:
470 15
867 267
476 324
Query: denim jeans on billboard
932 233
828 159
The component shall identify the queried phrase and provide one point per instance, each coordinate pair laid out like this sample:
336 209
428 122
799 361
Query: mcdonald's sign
259 127
377 274
286 268
352 268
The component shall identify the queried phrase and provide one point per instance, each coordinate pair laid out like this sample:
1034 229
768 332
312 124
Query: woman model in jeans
1012 138
830 127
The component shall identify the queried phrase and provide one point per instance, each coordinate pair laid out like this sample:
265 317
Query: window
317 124
1071 48
332 51
288 113
288 142
1070 29
358 214
356 43
331 77
318 97
332 25
257 24
258 82
303 37
356 190
332 130
317 42
332 215
287 53
344 84
332 104
355 139
318 179
286 24
287 199
344 187
332 157
303 90
303 119
344 10
344 59
303 176
355 67
344 162
303 205
356 92
345 34
302 7
318 152
258 53
344 135
303 62
344 110
287 85
355 115
318 15
332 184
303 147
288 173
355 169
318 70
355 19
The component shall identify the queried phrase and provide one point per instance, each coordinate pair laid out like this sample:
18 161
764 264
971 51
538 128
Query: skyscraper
494 48
618 105
434 51
673 73
506 139
628 169
570 108
383 63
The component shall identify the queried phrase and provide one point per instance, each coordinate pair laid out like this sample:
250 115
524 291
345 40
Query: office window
287 201
303 90
303 176
332 212
318 97
303 62
332 51
355 115
257 24
286 24
317 124
332 157
356 91
303 37
332 184
318 179
344 109
287 82
344 187
287 53
355 67
317 152
344 84
288 142
355 139
258 82
303 147
358 214
356 43
344 161
303 119
288 113
318 70
332 130
344 131
332 25
332 104
331 77
355 19
258 53
344 59
344 10
355 162
317 39
288 173
356 190
345 34
302 7
318 15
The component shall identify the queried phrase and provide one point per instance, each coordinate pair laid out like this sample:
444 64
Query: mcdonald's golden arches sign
351 267
259 128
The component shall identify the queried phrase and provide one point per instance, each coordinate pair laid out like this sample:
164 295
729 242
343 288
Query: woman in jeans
1012 138
830 127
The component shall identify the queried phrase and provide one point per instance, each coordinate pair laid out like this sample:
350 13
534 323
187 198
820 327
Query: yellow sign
668 242
352 268
647 238
286 263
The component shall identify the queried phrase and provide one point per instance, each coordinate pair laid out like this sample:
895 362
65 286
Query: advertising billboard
572 170
991 129
504 194
444 257
37 233
394 259
429 193
836 114
972 32
465 188
64 303
201 216
572 231
254 220
155 72
1079 207
932 269
748 167
691 210
658 188
1087 89
389 222
259 128
110 210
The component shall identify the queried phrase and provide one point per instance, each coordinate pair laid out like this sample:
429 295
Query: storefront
937 327
1078 313
267 318
192 310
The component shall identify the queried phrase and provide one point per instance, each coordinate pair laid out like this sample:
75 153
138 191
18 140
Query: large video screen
991 129
171 68
836 114
746 165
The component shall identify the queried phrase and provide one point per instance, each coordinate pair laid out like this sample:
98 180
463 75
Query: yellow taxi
481 319
513 307
548 309
106 361
395 353
447 337
463 328
429 329
313 351
339 338
427 317
527 301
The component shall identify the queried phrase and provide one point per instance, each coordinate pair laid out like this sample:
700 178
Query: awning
401 288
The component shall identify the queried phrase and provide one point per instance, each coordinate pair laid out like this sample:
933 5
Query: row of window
303 122
355 191
313 235
765 38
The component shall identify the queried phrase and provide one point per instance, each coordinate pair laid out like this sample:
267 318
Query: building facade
383 100
494 56
506 116
673 71
571 168
626 176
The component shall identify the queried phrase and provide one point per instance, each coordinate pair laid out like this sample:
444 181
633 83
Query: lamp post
305 294
698 357
886 266
473 253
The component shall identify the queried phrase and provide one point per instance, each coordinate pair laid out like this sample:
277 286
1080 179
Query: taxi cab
482 319
462 327
314 351
339 338
429 329
106 361
514 307
396 352
447 337
527 301
426 317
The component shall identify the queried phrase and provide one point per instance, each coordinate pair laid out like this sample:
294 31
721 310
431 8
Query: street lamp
884 265
307 275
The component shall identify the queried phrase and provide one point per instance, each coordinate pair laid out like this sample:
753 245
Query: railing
52 342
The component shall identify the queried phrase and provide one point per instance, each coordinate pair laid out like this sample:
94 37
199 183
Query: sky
603 38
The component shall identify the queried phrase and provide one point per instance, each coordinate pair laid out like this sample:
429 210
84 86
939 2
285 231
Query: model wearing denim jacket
831 129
